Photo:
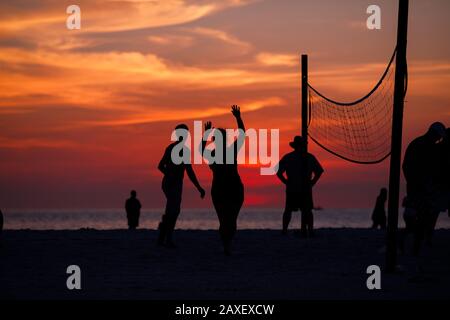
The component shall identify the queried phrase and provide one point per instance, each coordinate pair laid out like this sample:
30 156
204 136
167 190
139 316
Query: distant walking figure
302 173
133 209
418 166
379 212
227 190
172 186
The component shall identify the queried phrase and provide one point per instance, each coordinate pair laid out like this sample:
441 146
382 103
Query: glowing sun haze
86 114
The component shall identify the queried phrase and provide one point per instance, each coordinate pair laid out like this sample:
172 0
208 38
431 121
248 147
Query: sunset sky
85 115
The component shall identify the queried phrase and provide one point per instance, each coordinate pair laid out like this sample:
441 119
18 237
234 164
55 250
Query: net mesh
358 131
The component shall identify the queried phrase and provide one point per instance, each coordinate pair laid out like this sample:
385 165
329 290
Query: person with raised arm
227 190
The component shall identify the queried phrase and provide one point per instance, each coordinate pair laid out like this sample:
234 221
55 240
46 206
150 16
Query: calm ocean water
189 219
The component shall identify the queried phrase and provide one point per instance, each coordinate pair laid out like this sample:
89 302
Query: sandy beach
118 264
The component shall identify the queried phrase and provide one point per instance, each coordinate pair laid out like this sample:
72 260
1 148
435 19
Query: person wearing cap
172 186
418 166
299 171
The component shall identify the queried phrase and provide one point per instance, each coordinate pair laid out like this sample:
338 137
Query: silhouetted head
436 132
181 126
298 143
133 193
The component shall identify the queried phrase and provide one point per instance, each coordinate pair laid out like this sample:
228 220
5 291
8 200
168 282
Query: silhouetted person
440 187
379 212
133 209
172 186
418 165
227 190
302 173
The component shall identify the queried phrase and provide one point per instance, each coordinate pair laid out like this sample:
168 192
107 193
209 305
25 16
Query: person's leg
162 227
132 222
287 215
304 223
383 223
168 220
431 225
172 218
228 232
310 218
306 206
129 221
419 233
232 220
221 215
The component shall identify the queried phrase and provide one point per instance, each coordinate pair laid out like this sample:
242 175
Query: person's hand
202 193
208 125
236 111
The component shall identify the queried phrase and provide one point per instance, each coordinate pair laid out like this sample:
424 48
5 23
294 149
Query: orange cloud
107 16
273 59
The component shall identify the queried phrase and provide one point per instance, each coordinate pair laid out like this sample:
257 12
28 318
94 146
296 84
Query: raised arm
236 111
239 142
208 126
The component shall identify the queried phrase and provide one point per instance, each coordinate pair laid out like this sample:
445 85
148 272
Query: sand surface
118 264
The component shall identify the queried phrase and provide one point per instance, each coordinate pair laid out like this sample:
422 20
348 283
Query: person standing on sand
133 209
441 184
418 168
302 173
172 186
227 190
379 212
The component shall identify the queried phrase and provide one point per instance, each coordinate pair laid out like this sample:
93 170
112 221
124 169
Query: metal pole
396 143
305 100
